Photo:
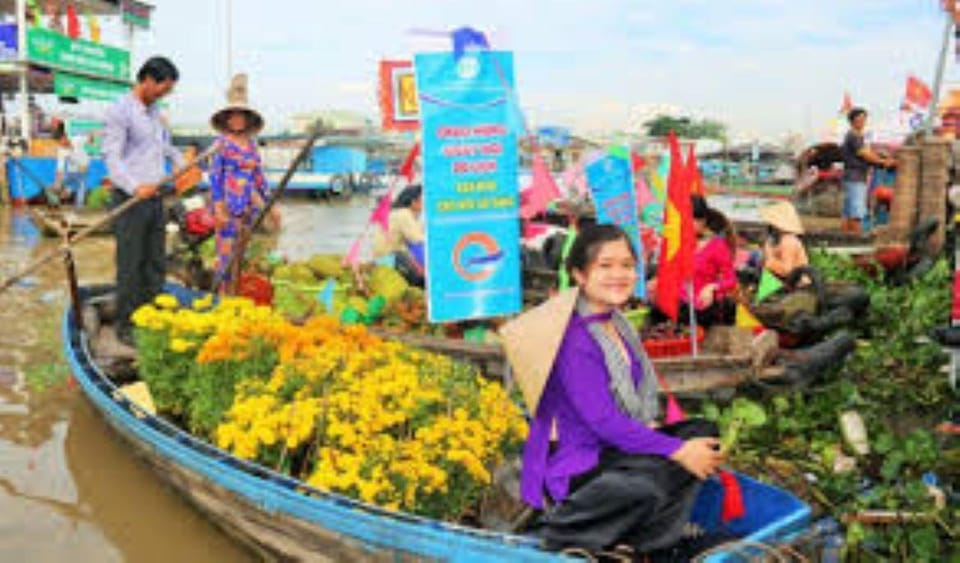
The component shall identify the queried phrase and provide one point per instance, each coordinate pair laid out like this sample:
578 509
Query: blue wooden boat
284 518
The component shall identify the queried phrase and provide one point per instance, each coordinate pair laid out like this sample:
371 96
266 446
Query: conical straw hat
783 216
237 101
532 340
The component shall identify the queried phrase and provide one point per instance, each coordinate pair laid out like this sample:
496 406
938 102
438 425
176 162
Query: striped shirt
136 144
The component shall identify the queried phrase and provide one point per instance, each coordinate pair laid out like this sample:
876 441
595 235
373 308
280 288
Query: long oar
90 229
245 234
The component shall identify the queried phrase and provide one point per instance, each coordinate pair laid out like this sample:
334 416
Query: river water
69 488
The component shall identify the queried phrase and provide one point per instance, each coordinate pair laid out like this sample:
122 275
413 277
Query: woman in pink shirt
714 277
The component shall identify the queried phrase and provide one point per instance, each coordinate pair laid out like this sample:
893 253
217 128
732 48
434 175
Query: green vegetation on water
895 382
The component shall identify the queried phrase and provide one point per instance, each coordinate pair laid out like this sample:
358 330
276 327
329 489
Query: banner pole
693 319
938 73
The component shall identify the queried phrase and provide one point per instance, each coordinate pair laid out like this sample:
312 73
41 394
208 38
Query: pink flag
574 177
675 412
541 191
353 255
381 214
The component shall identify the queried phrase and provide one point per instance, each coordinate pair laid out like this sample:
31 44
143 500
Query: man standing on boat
857 159
136 146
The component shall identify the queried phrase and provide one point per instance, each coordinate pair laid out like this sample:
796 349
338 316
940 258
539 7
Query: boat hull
284 519
277 516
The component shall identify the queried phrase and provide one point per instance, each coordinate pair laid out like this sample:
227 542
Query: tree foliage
686 127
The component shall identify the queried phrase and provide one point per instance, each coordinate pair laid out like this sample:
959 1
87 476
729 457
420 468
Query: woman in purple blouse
596 459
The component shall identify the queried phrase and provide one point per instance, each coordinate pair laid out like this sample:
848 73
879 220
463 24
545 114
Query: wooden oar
237 256
90 229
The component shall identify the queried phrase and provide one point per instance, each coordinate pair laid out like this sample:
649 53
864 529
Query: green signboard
74 86
49 48
90 130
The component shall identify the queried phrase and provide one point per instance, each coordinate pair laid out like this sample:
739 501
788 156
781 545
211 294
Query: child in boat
614 475
783 251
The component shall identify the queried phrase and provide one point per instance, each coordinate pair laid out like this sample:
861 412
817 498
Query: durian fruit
293 304
297 274
387 282
326 265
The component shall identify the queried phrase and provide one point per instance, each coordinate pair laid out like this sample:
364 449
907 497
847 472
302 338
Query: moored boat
284 518
52 221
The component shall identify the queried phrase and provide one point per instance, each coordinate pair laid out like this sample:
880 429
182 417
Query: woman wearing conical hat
613 475
238 187
783 251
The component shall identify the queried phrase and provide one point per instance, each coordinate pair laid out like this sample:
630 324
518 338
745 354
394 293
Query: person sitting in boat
72 164
403 241
614 474
783 251
238 187
714 276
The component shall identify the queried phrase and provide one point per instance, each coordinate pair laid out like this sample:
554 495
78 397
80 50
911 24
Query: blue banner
8 41
611 184
471 199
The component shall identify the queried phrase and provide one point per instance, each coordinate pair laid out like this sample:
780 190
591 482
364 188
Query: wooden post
71 275
934 179
24 72
4 179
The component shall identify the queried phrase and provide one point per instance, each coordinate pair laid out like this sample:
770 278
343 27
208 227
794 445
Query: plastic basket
672 346
256 287
773 516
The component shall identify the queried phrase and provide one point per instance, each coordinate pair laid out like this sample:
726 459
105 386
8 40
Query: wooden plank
686 373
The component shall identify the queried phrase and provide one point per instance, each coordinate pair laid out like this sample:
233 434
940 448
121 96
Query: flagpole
938 73
693 319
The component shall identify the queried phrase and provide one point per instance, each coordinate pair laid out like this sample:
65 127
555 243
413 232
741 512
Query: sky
763 67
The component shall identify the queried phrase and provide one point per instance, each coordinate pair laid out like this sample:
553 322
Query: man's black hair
160 69
855 113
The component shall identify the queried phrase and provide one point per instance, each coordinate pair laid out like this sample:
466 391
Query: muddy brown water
70 490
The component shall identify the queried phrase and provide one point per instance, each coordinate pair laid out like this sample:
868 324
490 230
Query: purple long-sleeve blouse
577 396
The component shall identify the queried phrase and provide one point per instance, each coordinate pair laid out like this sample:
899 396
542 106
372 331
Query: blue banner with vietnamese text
611 184
471 197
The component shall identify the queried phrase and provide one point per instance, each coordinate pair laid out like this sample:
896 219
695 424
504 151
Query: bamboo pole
93 227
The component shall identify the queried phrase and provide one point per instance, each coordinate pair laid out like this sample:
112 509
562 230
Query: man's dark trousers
141 266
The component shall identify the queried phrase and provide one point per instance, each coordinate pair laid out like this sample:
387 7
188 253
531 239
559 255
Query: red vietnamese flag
693 174
918 94
676 250
406 169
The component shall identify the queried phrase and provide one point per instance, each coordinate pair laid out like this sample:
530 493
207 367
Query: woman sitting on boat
783 251
614 475
238 186
403 241
714 276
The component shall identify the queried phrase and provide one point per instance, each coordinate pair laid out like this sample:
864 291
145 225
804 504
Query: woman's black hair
716 221
855 113
160 69
700 207
587 245
409 195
